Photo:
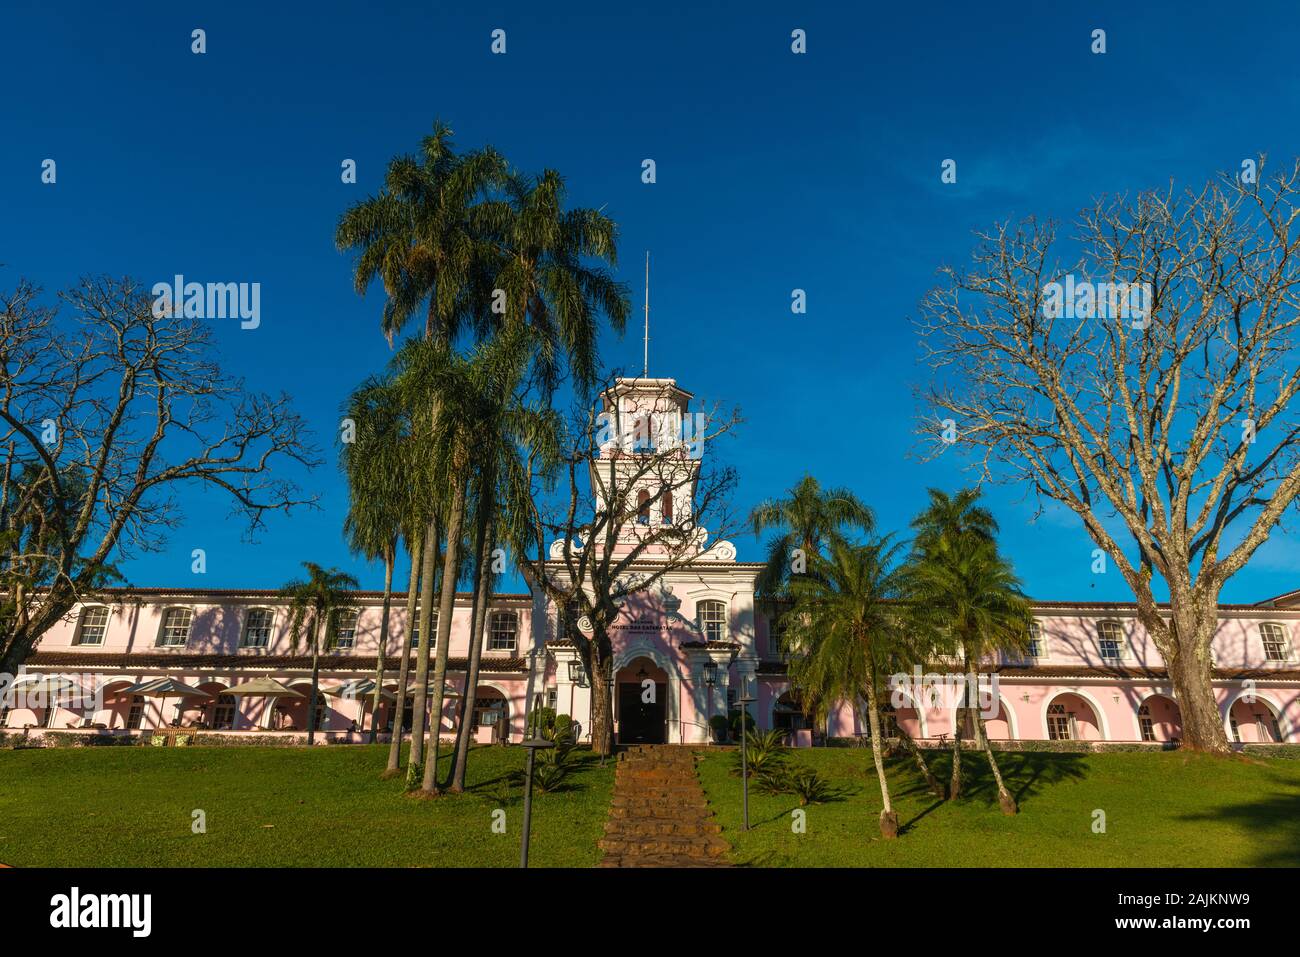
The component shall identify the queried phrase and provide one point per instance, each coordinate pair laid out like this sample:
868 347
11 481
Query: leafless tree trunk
1152 381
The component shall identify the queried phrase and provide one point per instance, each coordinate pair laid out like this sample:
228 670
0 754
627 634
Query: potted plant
720 726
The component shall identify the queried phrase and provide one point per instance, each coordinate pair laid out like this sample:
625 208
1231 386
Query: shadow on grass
1025 773
1274 817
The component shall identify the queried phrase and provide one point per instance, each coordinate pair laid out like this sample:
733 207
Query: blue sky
775 172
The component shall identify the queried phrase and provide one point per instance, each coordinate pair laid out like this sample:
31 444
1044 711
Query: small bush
808 784
765 751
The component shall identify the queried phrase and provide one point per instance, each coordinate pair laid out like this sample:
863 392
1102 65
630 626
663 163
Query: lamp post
744 701
532 744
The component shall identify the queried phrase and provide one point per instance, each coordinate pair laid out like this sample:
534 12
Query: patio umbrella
263 688
360 688
448 689
167 688
53 688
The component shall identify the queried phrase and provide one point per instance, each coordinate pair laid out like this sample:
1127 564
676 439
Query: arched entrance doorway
1159 719
1071 717
641 703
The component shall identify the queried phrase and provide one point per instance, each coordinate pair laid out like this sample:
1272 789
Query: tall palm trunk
1005 800
404 669
428 569
888 817
446 608
915 751
383 647
315 679
478 612
959 725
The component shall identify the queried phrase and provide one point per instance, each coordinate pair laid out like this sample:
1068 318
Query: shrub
765 751
808 784
720 726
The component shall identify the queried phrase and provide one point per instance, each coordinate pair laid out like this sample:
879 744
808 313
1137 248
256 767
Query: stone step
660 860
654 827
650 804
677 815
703 846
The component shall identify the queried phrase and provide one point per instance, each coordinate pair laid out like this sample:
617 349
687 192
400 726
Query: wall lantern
710 673
577 673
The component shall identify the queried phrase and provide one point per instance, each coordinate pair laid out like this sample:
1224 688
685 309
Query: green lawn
1163 809
323 806
326 806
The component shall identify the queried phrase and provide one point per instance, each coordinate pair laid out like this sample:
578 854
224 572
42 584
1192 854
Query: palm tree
312 604
810 518
546 264
416 236
841 629
964 591
502 499
373 464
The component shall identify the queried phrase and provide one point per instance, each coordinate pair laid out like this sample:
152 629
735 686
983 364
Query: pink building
699 638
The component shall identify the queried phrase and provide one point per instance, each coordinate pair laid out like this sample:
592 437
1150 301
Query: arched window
93 626
503 631
643 507
1276 645
345 628
257 628
713 620
667 506
175 631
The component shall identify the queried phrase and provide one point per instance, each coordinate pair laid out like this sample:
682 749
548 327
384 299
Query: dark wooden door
641 722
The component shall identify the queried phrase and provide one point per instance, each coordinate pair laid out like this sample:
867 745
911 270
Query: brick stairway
659 816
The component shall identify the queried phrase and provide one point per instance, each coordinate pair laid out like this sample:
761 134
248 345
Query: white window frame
1120 639
1036 637
163 628
248 625
1146 724
493 618
1284 643
1059 712
415 631
339 615
703 614
82 624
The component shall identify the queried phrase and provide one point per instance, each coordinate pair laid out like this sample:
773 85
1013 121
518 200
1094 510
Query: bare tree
608 546
102 418
1148 389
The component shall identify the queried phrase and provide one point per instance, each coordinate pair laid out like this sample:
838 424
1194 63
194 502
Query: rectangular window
713 620
550 699
1110 640
176 628
345 629
135 717
504 628
1145 722
1275 642
1035 649
94 625
415 629
257 628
